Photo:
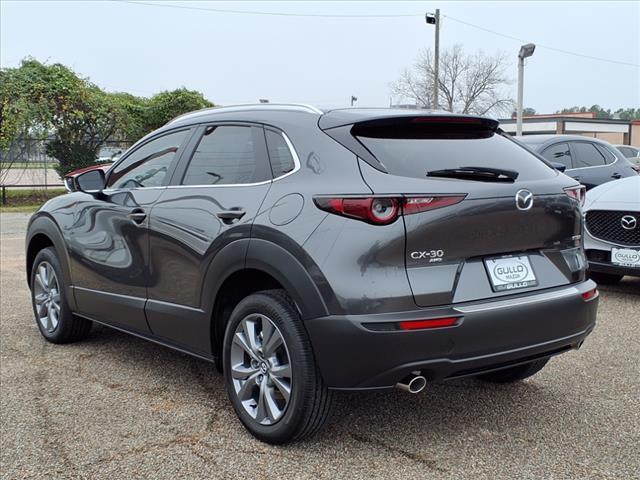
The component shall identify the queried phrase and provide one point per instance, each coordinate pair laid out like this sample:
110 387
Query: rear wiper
482 174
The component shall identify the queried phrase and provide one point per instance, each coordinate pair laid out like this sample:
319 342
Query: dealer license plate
626 257
510 273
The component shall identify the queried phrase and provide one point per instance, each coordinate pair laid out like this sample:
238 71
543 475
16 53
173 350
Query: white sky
237 58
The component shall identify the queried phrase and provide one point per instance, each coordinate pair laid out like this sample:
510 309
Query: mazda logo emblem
524 199
629 222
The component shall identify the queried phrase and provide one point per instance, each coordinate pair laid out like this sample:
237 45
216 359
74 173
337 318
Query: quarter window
279 154
608 156
587 155
226 155
559 153
148 165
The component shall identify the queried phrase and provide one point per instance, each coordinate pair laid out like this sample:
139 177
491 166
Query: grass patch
23 209
29 199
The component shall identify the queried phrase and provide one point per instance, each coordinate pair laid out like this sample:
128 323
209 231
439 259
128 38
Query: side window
279 153
609 157
587 155
227 155
149 164
559 153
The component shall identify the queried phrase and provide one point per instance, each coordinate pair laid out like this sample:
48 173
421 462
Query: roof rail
250 106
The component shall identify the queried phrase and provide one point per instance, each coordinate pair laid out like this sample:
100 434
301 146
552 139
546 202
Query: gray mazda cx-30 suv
305 252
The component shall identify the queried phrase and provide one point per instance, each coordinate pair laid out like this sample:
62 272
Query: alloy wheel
46 296
261 369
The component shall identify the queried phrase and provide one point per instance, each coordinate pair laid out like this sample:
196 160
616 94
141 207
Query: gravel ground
115 406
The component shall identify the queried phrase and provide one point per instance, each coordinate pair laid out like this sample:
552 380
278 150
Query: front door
108 238
212 202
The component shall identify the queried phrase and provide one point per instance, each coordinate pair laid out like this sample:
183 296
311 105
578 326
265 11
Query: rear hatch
508 225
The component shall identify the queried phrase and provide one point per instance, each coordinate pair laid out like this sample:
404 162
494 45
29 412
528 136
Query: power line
275 14
400 15
560 50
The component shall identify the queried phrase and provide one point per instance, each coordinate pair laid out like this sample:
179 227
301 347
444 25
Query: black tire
605 278
68 328
514 374
310 402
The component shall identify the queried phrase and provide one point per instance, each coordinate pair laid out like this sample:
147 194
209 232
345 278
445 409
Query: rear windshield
415 150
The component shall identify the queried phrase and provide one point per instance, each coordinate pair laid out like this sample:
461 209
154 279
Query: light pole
525 52
435 20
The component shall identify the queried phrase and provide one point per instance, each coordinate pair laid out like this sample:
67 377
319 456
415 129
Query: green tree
74 115
628 113
132 114
52 101
16 115
597 109
526 112
164 106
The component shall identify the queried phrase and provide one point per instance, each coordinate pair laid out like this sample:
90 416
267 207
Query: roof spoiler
340 118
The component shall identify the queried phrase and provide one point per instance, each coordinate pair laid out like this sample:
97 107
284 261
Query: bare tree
468 83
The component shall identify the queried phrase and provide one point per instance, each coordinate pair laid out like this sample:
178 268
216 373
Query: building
617 132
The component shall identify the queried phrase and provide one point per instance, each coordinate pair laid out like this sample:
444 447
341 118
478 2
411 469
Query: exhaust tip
412 384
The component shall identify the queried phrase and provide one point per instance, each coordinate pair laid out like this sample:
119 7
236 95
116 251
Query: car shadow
456 409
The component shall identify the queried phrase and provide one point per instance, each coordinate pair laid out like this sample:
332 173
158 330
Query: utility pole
525 52
435 20
353 100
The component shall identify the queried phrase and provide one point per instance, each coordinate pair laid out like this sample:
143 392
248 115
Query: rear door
451 251
214 197
591 167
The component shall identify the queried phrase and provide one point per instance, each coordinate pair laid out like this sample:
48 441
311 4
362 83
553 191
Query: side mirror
561 167
91 181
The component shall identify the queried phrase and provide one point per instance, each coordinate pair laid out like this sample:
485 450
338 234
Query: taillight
375 210
578 193
383 210
590 294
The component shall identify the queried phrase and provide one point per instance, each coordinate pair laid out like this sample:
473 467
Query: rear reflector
431 323
586 296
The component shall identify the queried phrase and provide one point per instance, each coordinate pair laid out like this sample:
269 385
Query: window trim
179 173
572 142
172 167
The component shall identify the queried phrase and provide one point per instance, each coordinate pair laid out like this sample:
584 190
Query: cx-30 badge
524 199
629 222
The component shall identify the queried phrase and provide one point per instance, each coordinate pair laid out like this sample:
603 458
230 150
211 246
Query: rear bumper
491 335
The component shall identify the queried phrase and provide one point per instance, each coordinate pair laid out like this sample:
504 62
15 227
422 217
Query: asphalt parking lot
115 406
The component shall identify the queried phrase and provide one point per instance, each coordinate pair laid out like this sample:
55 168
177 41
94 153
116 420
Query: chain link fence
26 164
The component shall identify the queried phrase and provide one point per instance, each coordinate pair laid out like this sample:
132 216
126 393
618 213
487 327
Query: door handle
231 215
137 215
616 175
